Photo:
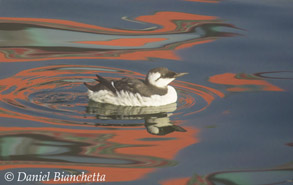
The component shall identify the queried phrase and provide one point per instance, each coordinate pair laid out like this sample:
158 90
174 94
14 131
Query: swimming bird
154 90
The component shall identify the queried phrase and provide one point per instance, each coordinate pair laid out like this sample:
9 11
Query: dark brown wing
131 85
137 86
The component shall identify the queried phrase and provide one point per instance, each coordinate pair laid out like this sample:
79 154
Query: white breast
129 99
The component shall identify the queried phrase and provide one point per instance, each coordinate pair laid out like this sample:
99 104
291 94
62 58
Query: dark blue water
232 123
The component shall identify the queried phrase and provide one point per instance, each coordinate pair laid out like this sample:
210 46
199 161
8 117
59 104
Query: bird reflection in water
156 119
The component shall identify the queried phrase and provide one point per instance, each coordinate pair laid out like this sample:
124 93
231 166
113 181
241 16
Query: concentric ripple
56 94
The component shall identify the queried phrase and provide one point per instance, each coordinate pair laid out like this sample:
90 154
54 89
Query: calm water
232 123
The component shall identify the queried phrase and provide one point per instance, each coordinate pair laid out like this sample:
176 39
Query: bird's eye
158 79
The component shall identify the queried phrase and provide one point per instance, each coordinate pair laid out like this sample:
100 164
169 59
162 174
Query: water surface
230 125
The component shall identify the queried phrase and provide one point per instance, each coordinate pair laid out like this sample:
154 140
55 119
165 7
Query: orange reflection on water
177 181
207 93
175 31
242 82
170 21
167 21
144 152
125 42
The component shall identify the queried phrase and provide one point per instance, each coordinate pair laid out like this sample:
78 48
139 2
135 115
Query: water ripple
56 95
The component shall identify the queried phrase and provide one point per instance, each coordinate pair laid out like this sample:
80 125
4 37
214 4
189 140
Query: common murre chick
153 91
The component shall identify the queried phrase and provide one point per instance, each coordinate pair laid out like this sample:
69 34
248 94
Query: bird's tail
108 84
103 84
90 87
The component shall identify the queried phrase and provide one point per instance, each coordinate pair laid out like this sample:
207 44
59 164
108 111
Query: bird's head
160 77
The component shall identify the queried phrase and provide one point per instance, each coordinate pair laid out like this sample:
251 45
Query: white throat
155 80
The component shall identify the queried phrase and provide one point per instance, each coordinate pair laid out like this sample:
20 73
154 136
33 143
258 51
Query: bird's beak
180 74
